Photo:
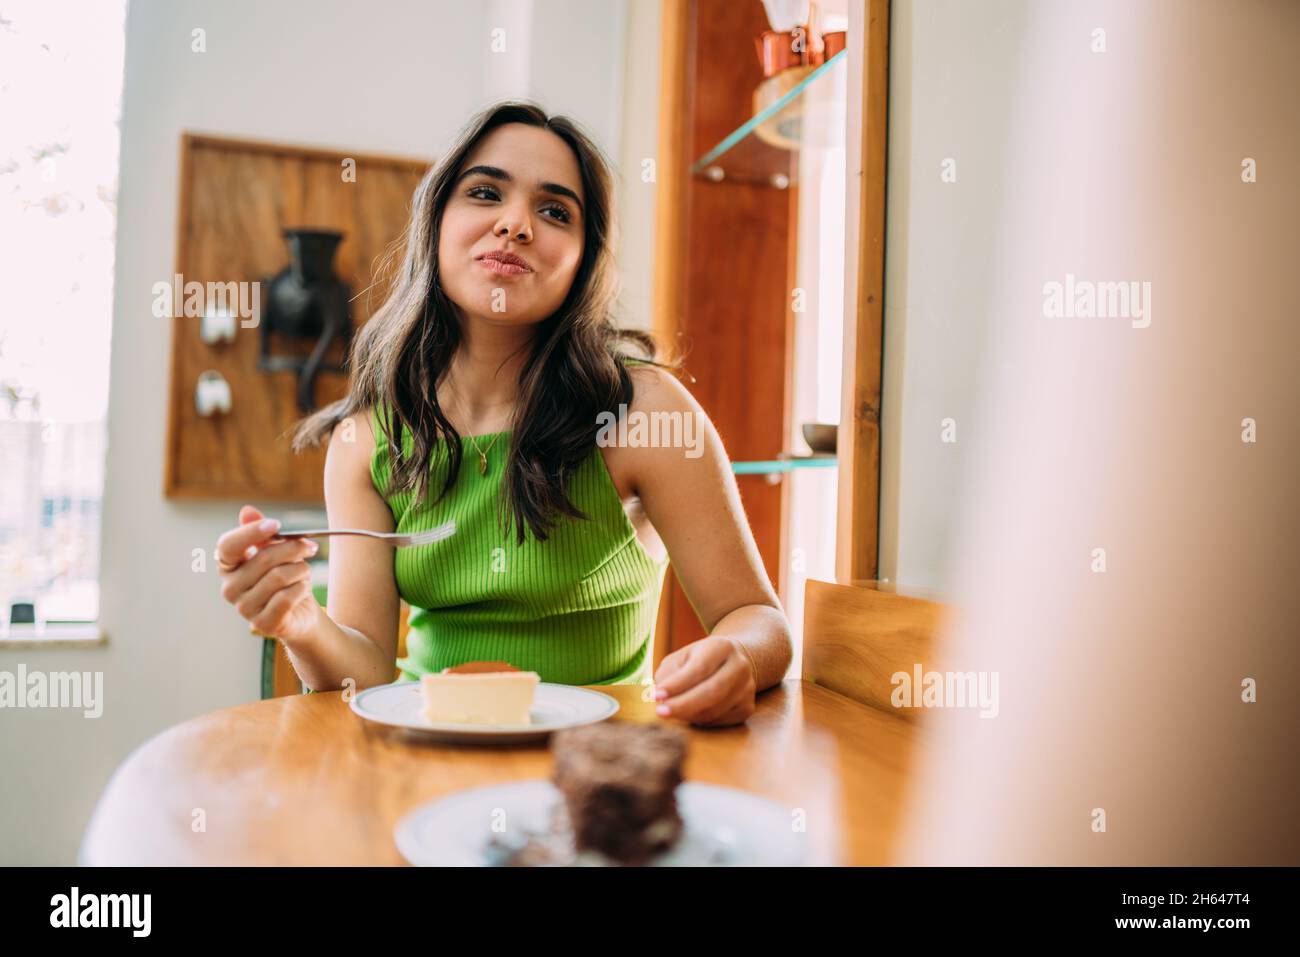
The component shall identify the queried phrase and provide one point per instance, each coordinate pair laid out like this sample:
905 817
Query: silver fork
445 530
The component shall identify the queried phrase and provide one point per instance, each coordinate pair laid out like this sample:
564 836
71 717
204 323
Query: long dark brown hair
576 369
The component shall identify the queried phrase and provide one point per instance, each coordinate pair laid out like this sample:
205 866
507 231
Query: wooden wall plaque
236 198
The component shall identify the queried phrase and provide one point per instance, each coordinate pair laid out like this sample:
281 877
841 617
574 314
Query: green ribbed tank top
578 608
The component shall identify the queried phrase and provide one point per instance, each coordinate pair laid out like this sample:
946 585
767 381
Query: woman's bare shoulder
656 389
664 424
351 447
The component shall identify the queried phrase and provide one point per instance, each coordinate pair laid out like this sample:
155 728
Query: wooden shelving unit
725 258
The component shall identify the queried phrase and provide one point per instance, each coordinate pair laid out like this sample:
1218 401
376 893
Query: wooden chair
856 637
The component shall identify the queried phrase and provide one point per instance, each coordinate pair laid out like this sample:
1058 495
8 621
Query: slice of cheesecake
479 692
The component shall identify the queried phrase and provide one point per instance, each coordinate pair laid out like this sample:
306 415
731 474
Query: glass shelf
811 114
784 465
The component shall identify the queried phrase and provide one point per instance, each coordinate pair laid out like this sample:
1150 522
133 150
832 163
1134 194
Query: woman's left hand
709 682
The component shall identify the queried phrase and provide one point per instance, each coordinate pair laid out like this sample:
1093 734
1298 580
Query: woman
491 367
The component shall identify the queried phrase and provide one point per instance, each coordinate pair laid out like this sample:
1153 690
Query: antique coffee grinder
307 301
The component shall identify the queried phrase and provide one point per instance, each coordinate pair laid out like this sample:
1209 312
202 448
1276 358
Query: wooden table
301 780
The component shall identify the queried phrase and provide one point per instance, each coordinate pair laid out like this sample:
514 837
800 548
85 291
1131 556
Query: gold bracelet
752 666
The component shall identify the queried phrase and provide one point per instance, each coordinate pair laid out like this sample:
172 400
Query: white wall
636 198
951 81
400 76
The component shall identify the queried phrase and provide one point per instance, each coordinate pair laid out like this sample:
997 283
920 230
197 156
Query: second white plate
555 706
723 826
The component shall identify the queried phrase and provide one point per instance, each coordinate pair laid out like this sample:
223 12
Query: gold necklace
482 453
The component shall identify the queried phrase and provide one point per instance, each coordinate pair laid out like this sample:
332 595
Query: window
60 100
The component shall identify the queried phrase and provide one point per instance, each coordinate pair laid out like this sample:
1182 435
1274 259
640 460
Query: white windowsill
62 634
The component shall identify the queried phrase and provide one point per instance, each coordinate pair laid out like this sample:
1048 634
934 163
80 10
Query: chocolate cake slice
618 780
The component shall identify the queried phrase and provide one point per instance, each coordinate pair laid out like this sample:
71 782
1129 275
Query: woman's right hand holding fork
267 578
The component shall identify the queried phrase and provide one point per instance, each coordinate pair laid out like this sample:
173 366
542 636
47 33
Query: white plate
555 706
723 826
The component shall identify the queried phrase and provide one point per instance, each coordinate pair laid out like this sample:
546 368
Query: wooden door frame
857 532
